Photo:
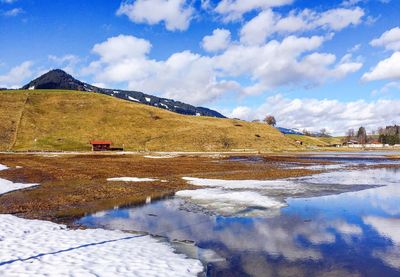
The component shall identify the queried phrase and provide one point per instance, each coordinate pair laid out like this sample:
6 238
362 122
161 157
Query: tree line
360 136
388 135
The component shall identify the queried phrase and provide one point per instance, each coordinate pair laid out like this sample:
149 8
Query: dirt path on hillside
18 123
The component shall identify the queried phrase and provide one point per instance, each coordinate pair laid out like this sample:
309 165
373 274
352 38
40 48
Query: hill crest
60 80
53 120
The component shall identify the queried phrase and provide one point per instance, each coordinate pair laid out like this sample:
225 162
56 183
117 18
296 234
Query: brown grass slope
316 141
11 106
68 120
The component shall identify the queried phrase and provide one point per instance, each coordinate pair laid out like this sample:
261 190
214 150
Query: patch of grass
49 143
68 120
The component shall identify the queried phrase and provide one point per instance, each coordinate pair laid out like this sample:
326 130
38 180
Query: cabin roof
100 142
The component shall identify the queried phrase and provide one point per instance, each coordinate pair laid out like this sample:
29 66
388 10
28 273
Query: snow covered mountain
288 131
59 79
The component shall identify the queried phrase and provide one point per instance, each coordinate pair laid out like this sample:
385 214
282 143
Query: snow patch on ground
40 248
133 99
160 157
131 179
51 155
7 186
148 99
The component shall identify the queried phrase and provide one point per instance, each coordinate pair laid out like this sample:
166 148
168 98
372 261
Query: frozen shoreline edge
42 247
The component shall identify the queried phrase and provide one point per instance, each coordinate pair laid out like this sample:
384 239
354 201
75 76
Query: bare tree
270 120
306 132
324 132
350 134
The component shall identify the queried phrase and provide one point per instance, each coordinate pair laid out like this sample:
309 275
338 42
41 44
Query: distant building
351 142
101 145
335 145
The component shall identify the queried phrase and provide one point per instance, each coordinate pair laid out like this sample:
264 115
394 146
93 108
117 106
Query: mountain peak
58 72
55 79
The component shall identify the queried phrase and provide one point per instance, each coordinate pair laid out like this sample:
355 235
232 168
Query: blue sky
313 64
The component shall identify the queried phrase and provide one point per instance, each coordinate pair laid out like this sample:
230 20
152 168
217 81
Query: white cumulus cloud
199 79
184 76
67 62
234 9
389 39
122 47
219 40
17 75
387 69
176 14
267 22
337 19
288 62
243 112
315 114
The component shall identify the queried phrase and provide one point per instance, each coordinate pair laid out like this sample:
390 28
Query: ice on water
232 197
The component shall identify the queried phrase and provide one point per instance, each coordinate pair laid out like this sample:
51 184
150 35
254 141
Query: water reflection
266 197
348 234
388 228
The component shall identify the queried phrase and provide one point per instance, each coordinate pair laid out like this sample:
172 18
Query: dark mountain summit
58 79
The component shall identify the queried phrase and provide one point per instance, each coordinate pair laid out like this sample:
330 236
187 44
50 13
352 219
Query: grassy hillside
315 141
11 107
68 120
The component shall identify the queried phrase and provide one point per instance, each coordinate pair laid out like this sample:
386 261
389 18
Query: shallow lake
344 222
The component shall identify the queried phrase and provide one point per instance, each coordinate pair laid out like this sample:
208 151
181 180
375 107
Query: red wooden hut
101 145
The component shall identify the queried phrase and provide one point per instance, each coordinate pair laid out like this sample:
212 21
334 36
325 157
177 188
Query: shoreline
86 179
74 185
207 153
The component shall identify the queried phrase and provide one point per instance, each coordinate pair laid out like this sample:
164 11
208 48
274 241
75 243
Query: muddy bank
73 185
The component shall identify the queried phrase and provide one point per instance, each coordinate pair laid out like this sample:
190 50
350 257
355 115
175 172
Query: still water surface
351 231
